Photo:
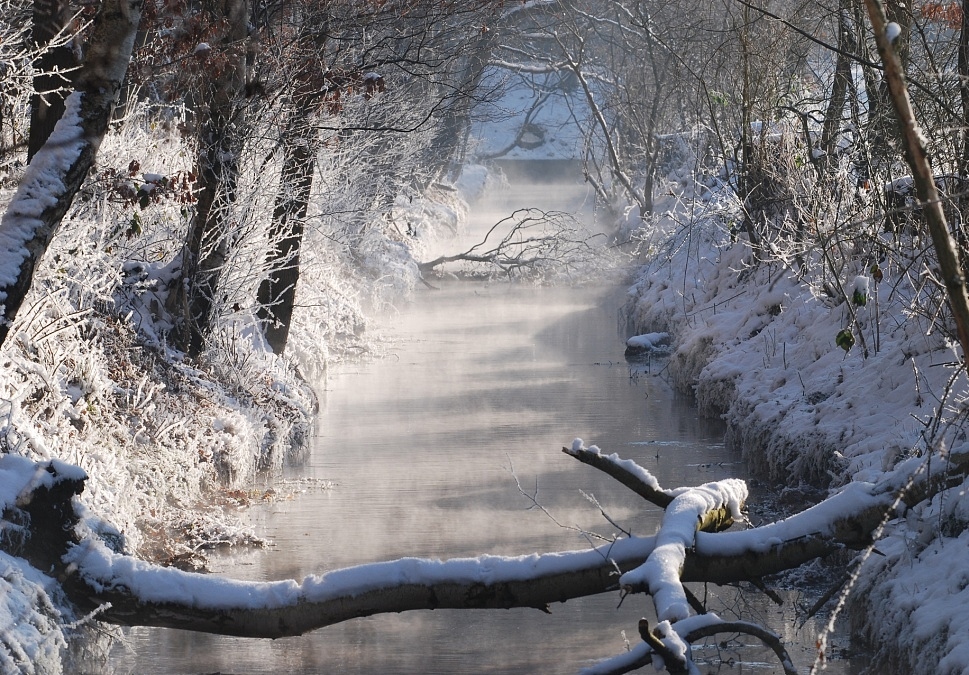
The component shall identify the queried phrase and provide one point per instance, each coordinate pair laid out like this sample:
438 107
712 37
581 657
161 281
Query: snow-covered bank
175 449
756 339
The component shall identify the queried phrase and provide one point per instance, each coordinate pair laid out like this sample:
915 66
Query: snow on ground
35 625
551 131
756 342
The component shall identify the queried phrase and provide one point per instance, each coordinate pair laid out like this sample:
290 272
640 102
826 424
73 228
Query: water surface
442 449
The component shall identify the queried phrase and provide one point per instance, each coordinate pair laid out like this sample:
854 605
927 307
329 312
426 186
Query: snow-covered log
57 170
37 502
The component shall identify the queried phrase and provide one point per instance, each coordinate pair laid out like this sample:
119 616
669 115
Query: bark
221 133
661 574
749 183
625 473
51 84
928 195
842 77
60 166
276 296
963 70
676 661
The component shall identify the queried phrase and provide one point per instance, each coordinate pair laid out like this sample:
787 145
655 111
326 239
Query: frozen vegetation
756 339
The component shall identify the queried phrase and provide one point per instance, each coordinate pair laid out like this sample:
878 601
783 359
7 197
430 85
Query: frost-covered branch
530 243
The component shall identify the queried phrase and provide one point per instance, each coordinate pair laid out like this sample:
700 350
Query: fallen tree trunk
140 593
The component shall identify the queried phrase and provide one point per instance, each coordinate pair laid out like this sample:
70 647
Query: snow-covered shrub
755 326
35 621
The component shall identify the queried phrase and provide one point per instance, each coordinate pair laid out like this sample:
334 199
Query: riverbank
174 449
756 342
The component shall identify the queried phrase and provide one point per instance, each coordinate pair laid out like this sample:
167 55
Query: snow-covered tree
60 166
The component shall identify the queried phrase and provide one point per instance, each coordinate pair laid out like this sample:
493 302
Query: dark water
423 452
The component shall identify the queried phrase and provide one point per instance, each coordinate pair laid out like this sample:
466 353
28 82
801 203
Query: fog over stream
426 452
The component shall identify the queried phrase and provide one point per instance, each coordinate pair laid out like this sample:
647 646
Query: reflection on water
426 449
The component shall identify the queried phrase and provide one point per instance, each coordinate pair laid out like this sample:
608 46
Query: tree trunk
60 166
277 293
51 84
446 153
963 159
842 77
749 160
194 300
963 68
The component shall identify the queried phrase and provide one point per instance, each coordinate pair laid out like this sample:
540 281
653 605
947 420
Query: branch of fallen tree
129 591
655 643
530 243
627 472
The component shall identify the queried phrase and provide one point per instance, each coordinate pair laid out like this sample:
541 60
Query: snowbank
756 340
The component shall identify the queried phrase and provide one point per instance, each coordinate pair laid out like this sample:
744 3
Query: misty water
441 448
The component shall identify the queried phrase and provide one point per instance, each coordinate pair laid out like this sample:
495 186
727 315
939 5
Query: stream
450 446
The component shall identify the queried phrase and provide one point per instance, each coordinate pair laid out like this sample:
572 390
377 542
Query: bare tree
220 121
396 103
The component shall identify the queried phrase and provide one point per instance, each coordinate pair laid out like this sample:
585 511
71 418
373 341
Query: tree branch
537 242
626 471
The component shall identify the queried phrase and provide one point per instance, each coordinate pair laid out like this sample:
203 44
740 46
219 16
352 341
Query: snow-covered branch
144 594
626 471
38 498
661 572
